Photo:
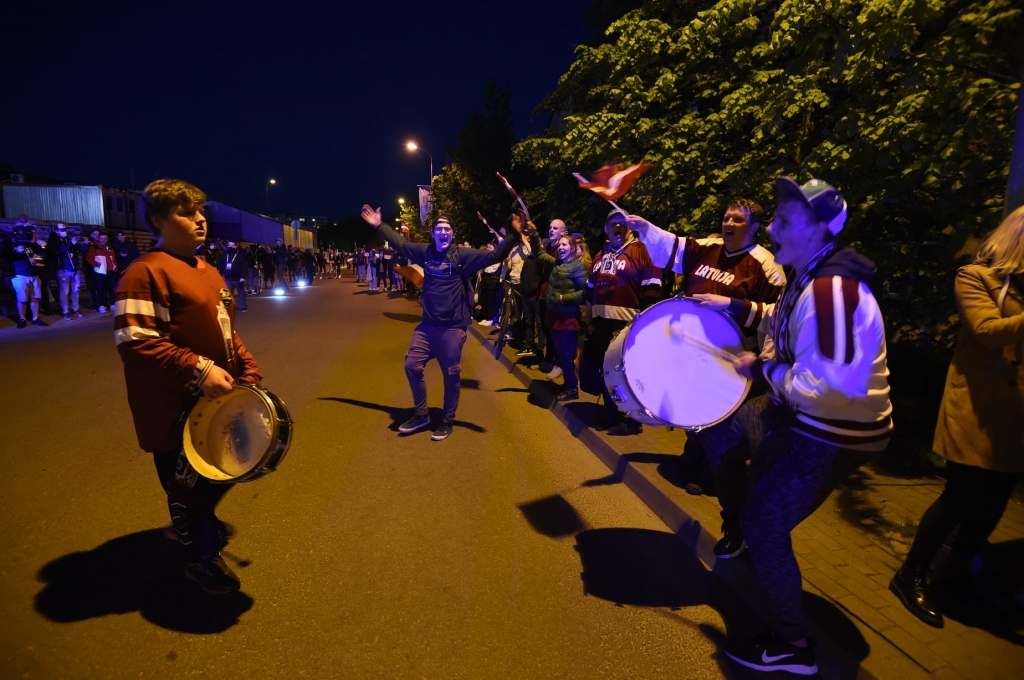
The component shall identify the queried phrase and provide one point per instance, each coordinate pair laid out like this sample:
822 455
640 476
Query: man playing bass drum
731 273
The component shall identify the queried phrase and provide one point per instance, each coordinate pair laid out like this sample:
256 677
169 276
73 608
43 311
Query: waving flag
514 194
612 184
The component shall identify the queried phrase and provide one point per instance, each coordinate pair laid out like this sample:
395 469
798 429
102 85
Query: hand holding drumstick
740 362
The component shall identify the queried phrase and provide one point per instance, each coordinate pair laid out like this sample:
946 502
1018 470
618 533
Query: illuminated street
504 551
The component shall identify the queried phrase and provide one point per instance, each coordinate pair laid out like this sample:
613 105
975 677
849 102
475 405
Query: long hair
1003 249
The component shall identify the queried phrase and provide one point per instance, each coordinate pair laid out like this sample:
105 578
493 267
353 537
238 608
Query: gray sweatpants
445 345
790 475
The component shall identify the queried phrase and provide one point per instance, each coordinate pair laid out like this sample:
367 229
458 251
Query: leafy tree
467 184
906 106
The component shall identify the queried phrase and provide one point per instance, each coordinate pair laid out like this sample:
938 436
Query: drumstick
676 331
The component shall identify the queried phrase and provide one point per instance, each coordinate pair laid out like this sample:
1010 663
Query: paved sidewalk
848 551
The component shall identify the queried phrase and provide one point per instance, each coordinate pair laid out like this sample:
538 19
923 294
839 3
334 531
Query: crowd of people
47 270
814 348
68 260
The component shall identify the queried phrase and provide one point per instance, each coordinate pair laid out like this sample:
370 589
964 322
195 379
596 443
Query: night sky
319 95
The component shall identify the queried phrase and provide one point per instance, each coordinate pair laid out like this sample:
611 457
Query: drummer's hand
371 216
218 382
517 222
716 302
743 362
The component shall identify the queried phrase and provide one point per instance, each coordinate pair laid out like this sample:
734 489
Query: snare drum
660 369
238 437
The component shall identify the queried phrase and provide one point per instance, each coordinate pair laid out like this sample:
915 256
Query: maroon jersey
749 276
622 282
174 321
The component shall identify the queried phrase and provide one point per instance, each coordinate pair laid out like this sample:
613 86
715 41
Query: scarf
778 330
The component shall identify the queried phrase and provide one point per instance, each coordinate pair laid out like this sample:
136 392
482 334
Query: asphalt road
507 551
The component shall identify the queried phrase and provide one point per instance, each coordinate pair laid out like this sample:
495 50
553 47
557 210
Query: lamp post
269 182
412 146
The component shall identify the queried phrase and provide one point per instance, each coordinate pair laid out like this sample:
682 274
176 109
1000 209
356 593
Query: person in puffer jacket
567 286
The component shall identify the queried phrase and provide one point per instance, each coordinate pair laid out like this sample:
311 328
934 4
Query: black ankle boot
909 585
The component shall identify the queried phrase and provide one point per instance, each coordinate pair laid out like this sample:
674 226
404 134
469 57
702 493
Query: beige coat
981 420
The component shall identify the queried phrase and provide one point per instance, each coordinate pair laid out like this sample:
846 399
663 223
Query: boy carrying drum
175 331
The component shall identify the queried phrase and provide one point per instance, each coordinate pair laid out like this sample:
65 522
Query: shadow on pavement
553 517
400 414
469 384
602 481
407 318
645 568
993 605
140 572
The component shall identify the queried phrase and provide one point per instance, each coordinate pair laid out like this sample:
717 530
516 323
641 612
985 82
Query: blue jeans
445 345
565 350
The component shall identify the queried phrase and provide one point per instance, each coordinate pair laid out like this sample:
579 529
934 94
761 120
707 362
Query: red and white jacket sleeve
839 367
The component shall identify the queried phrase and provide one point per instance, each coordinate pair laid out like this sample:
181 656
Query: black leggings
192 500
975 499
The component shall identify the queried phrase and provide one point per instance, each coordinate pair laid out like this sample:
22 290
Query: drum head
227 437
672 375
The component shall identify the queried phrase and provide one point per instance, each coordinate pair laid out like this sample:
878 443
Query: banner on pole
426 202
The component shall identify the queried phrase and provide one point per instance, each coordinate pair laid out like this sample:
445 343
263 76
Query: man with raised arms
447 311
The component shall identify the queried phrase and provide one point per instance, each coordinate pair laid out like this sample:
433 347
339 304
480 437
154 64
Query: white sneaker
486 322
102 309
555 373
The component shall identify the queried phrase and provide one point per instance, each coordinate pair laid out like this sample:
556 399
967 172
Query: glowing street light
413 147
401 201
269 182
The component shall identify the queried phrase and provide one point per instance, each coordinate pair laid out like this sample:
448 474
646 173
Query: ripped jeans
445 345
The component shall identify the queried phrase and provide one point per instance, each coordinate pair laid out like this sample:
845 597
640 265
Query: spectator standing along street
103 261
67 255
126 251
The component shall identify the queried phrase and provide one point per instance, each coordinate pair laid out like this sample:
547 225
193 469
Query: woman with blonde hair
981 422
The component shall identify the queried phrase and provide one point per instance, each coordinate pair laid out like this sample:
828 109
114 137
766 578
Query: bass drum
667 368
238 437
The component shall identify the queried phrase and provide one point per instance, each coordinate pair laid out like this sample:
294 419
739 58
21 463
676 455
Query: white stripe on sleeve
142 307
130 333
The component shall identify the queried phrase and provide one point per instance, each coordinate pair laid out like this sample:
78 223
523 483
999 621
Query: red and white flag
610 183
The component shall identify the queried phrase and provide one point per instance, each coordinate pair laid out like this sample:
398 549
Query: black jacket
125 253
67 256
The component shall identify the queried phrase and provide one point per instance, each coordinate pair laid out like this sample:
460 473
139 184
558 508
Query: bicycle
511 309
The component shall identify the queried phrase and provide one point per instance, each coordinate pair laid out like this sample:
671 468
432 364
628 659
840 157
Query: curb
738 574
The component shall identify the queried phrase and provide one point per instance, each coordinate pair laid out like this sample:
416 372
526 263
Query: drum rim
696 303
275 450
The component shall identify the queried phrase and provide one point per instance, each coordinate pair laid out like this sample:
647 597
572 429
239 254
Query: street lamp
401 201
412 146
269 182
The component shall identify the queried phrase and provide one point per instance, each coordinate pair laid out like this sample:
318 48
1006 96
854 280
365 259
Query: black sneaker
79 314
22 323
214 576
567 395
68 317
414 424
443 431
626 428
768 653
732 544
39 322
525 352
